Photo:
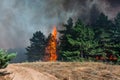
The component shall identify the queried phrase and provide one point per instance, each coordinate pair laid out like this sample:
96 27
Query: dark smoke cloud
114 3
19 19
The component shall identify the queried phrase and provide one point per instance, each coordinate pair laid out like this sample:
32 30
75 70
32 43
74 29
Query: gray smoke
19 19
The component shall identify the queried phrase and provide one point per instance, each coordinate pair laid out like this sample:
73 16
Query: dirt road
22 73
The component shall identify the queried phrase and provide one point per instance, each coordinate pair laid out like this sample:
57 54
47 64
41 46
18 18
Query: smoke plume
19 19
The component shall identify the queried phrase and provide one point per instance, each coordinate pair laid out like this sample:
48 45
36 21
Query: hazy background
19 19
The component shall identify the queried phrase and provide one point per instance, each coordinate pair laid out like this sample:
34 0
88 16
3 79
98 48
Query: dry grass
75 70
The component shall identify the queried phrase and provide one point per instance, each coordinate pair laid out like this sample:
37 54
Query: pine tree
64 45
35 51
77 42
5 58
105 34
117 28
116 36
102 22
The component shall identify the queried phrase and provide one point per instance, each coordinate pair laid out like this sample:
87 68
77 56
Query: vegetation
36 50
80 41
76 70
5 58
104 30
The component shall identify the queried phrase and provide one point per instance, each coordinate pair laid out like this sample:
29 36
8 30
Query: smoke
19 19
114 3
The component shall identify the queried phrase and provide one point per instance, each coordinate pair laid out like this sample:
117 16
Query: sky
19 19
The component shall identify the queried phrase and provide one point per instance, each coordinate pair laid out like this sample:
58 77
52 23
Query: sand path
23 73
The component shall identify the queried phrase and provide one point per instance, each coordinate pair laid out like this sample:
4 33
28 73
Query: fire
51 48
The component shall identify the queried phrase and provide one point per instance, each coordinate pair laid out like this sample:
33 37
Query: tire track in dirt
23 73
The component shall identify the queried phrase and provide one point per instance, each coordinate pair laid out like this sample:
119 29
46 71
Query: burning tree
51 48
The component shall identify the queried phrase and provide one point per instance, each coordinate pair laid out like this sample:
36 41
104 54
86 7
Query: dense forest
80 41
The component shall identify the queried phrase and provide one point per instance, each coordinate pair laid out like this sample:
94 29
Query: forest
80 41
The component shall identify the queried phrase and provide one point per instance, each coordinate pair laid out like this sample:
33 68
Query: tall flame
51 48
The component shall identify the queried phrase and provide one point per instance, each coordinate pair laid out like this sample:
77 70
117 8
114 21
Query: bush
5 58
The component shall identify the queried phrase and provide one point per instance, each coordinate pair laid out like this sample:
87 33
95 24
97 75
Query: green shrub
5 58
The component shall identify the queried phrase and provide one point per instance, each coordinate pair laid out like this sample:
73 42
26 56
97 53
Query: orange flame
54 33
51 48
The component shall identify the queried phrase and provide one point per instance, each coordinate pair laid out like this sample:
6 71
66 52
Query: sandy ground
22 73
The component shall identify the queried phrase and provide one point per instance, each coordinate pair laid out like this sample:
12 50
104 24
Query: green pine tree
5 58
36 50
64 45
116 36
105 35
77 42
